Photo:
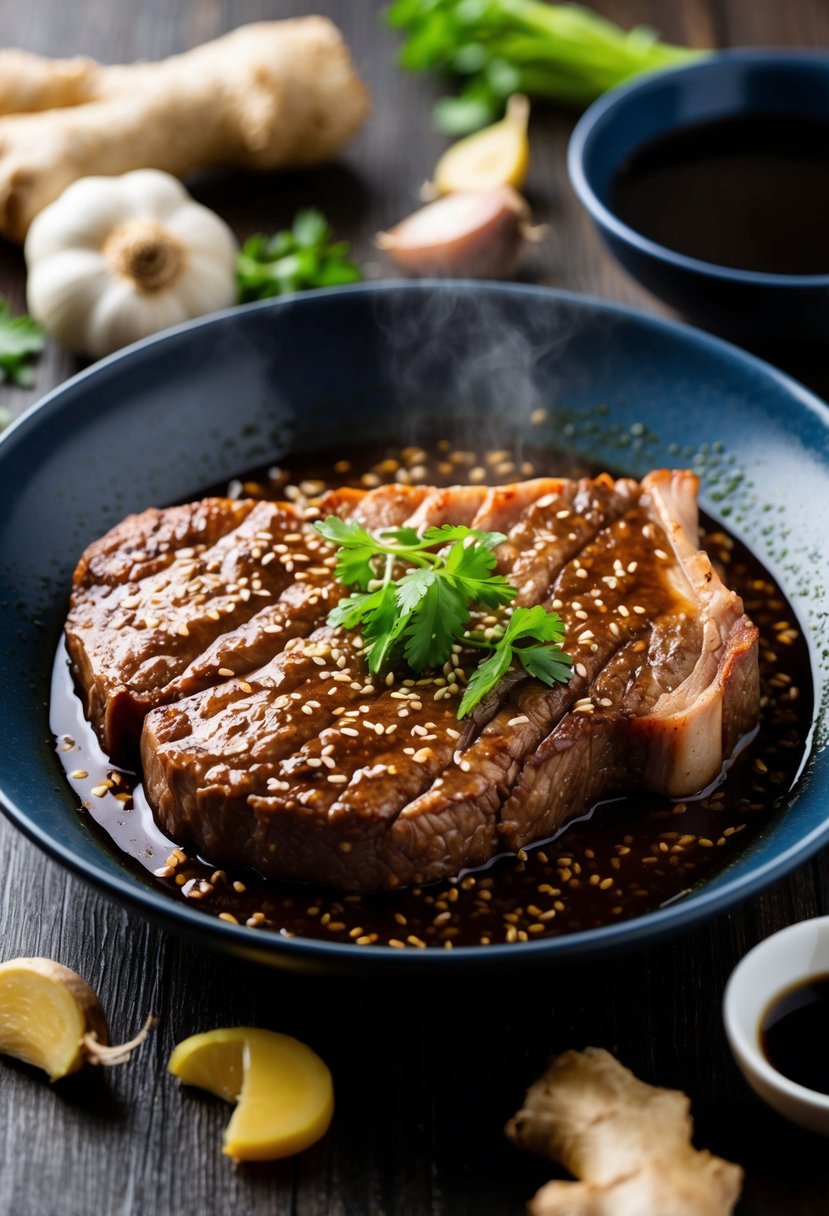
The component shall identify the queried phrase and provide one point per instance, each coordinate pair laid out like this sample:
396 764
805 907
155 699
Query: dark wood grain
426 1076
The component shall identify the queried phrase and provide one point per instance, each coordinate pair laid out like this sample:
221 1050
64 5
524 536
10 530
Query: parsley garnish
21 339
300 258
425 611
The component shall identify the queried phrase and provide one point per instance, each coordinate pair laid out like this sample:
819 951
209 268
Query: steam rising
493 361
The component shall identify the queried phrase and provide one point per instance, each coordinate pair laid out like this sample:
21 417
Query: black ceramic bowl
389 362
749 306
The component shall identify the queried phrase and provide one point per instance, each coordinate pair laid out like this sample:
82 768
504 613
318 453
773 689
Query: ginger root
275 94
629 1144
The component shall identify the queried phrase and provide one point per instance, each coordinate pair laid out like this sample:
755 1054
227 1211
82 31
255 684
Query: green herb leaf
426 609
545 661
484 678
21 340
439 620
299 259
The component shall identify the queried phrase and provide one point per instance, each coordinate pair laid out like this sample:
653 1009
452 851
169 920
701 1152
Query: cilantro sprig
302 257
425 611
21 340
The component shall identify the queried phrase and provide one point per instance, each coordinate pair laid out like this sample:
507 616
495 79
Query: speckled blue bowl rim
600 113
301 952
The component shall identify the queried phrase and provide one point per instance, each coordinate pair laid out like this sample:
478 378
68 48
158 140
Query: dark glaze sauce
793 1033
750 193
626 857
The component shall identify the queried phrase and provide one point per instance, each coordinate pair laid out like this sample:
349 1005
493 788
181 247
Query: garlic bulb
115 259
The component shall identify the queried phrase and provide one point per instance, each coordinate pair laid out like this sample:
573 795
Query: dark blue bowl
743 304
173 415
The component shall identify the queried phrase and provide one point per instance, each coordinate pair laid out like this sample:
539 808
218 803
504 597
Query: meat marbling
200 632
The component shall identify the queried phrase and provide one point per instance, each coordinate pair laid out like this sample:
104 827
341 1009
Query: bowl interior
172 416
784 959
728 84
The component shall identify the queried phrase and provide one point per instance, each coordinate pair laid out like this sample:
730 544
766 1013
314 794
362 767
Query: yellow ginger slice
283 1091
497 156
51 1018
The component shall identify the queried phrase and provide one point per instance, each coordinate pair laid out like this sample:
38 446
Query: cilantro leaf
484 678
354 567
383 628
545 663
408 537
426 610
21 339
440 619
354 609
535 623
470 568
343 532
412 587
298 259
357 550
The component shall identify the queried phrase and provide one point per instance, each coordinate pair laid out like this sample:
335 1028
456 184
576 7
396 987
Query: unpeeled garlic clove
469 234
497 156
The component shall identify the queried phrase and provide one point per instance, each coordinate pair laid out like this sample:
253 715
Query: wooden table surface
426 1075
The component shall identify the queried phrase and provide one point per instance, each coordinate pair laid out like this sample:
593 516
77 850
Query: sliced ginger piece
283 1091
52 1019
497 156
628 1144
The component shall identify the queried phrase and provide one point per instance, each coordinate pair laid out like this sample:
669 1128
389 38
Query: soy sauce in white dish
750 193
794 1035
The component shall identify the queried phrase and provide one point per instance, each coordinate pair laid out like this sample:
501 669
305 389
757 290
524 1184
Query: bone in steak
200 631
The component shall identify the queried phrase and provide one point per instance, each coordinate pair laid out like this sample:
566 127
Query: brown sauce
621 859
749 192
793 1033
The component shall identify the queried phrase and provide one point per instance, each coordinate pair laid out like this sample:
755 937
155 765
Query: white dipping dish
787 958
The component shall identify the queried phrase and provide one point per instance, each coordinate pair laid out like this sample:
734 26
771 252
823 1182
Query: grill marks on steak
308 768
381 790
172 602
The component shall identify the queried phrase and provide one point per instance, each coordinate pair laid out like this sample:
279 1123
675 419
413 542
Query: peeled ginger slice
48 1016
497 156
283 1091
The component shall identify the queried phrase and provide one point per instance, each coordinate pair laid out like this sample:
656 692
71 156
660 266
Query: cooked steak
265 740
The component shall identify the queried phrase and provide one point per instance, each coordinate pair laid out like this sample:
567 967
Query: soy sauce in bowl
749 192
794 1033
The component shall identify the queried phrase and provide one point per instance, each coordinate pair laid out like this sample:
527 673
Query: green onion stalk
557 52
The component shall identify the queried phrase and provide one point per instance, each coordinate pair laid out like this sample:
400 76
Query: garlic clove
470 234
497 156
123 316
151 192
86 215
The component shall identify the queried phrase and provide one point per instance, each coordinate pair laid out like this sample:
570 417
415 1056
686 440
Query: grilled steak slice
329 808
302 765
178 600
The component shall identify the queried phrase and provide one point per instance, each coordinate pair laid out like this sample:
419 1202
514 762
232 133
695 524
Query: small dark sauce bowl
748 306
